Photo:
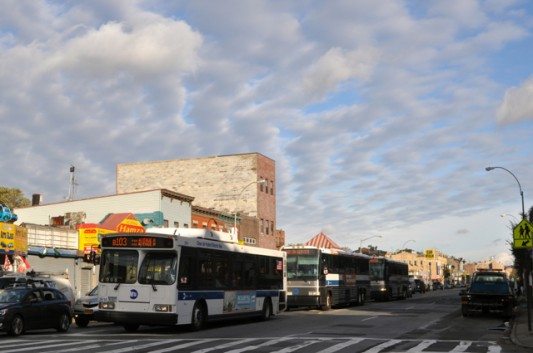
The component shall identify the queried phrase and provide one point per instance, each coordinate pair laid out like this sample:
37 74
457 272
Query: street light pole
488 169
527 259
406 242
362 240
261 181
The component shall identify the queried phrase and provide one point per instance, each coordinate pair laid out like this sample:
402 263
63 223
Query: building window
165 223
271 187
267 228
261 186
204 225
262 223
185 225
195 224
177 224
272 227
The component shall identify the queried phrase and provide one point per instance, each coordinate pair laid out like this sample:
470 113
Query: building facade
226 183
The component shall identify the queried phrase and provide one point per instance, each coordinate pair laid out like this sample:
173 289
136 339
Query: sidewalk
520 335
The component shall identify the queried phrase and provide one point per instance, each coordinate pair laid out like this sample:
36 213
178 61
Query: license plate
88 311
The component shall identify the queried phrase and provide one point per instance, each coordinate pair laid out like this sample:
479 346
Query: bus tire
266 313
327 306
199 316
131 327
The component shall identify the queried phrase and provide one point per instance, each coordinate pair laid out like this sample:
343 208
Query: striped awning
321 240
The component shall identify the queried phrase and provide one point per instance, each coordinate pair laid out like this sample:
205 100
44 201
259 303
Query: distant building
226 183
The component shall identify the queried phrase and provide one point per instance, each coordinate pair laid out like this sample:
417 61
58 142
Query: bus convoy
186 276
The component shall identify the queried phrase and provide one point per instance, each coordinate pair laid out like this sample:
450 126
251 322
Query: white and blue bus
389 279
183 276
325 277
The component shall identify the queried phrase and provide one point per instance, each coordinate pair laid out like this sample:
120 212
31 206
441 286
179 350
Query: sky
381 116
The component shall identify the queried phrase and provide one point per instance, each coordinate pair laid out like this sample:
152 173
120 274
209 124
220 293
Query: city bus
184 276
325 277
389 279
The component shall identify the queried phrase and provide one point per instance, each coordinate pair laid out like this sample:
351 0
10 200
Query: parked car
420 286
86 307
25 308
488 291
47 280
437 285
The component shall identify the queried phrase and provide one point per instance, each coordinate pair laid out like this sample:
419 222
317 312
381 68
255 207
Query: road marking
462 346
264 344
370 318
227 345
148 345
421 346
41 347
341 345
297 347
185 345
380 347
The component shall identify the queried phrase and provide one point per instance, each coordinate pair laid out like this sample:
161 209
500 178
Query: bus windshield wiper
153 285
118 285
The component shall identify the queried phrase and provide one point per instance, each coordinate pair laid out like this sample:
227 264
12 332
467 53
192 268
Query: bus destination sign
134 241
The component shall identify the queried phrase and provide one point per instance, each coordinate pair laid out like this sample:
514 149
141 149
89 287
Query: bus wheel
198 317
267 310
131 327
327 306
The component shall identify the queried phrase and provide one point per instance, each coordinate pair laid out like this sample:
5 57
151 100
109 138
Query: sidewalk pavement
520 334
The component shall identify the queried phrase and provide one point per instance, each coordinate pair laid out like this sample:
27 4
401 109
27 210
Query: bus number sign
131 241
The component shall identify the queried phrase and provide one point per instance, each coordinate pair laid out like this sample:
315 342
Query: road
429 322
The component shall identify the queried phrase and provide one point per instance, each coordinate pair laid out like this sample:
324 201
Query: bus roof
324 250
196 233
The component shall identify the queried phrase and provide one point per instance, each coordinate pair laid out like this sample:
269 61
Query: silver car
85 307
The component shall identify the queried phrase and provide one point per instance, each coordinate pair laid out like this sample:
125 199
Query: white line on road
421 346
370 318
380 347
227 345
341 345
184 345
462 346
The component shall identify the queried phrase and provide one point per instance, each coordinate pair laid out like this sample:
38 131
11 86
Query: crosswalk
237 345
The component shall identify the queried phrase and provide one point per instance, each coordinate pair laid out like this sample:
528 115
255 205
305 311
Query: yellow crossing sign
523 235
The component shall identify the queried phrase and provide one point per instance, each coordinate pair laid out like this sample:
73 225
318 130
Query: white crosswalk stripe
259 344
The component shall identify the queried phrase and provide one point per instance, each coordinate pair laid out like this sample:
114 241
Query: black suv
31 308
488 291
420 286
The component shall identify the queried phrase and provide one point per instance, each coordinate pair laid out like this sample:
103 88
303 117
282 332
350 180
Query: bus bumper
294 301
136 318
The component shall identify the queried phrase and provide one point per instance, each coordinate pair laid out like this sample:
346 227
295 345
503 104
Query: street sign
523 235
430 254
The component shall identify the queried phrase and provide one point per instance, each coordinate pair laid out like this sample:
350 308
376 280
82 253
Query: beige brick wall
215 182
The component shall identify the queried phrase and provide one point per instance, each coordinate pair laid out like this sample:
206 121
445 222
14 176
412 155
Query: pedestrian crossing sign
523 235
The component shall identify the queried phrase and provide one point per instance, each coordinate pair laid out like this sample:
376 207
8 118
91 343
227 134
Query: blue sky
381 117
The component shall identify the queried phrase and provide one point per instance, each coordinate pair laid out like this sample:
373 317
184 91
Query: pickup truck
488 291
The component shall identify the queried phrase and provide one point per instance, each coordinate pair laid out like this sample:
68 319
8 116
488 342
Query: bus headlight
383 289
314 293
165 308
107 305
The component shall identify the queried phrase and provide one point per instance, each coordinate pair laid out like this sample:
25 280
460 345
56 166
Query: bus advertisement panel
183 276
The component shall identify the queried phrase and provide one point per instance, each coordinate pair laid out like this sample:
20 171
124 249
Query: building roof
321 240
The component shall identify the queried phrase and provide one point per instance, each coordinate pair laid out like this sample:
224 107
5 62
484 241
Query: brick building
226 183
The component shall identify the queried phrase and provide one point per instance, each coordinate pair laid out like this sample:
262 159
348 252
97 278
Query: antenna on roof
72 184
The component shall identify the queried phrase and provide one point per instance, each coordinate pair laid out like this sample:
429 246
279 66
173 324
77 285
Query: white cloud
517 104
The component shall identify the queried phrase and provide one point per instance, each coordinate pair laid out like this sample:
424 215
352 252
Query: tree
13 198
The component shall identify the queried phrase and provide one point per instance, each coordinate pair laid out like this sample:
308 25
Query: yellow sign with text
430 254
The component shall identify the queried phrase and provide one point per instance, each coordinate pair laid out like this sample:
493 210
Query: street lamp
488 169
405 243
261 181
362 240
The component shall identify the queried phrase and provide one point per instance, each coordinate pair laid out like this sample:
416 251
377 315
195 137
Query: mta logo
134 294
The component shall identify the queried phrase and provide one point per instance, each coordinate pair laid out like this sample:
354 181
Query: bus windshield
377 271
158 268
118 266
302 266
